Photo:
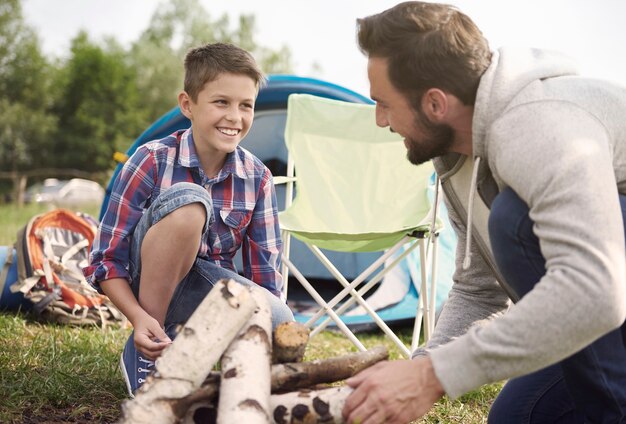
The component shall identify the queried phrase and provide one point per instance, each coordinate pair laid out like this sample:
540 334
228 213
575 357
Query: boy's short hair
205 63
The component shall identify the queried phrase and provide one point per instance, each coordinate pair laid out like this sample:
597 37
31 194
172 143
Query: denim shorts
203 274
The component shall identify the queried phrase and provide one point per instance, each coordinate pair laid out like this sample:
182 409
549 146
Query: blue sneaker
135 368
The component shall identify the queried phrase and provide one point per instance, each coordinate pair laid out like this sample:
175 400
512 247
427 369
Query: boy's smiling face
222 114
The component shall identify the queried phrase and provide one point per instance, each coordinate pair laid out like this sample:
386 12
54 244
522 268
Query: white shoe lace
148 364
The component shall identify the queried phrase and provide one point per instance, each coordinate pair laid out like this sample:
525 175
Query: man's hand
150 339
394 392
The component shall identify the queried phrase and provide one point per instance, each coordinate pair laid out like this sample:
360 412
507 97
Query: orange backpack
51 250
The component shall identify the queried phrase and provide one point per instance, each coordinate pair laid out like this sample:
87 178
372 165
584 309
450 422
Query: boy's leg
155 275
196 285
164 247
164 253
168 251
595 377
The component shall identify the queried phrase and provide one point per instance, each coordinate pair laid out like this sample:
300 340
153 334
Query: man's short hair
427 45
206 63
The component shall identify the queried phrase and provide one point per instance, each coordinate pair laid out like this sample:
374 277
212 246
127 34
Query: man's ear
184 103
435 104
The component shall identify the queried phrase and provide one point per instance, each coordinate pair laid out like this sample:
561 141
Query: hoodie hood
511 70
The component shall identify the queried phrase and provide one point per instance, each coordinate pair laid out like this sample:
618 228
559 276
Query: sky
321 33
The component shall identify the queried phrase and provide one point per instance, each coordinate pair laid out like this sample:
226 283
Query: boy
183 206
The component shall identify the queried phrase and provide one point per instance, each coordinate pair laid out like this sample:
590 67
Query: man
532 160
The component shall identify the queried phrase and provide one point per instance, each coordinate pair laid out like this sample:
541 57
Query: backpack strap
26 284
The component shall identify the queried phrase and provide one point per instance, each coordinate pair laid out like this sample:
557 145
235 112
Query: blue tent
266 141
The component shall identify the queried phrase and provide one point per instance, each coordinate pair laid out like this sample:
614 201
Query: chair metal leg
284 269
363 290
426 309
433 282
349 288
358 280
309 288
422 315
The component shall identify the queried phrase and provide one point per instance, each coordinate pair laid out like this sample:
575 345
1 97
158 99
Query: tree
75 113
25 122
99 109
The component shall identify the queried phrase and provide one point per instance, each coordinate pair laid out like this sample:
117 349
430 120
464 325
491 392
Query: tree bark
184 365
310 406
290 341
245 384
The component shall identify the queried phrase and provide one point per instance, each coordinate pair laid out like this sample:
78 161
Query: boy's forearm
120 293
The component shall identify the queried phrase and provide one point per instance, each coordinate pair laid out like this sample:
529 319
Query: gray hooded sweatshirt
559 141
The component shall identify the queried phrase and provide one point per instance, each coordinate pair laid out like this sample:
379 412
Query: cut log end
289 342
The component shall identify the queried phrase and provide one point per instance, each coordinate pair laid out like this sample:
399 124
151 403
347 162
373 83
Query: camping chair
355 192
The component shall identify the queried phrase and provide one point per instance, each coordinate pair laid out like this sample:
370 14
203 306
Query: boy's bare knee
188 218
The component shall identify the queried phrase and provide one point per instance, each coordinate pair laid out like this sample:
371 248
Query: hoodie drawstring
467 260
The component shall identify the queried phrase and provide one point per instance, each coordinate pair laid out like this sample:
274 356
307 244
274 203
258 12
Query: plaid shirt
244 210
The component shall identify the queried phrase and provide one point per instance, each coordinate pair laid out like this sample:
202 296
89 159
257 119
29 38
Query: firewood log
245 384
287 377
310 406
184 365
290 341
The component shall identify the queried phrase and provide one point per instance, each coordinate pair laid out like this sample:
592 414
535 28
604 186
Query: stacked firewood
262 378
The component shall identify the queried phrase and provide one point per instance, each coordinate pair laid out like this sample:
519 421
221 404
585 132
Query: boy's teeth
228 131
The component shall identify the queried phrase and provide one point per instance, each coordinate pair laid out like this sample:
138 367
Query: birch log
290 341
286 377
184 365
310 406
245 385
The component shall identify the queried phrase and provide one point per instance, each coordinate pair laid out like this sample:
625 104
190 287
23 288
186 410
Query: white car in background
66 193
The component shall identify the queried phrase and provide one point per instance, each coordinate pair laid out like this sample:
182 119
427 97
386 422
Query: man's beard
436 141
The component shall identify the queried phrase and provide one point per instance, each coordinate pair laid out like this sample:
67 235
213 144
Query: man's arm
560 165
108 268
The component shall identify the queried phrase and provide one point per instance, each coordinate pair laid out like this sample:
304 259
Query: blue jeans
203 274
587 387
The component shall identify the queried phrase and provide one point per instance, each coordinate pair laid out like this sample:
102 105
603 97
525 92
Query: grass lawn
59 374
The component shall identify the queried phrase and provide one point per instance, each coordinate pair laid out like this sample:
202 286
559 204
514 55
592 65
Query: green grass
58 373
61 374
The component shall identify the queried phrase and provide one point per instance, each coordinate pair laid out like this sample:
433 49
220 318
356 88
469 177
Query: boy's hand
150 339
